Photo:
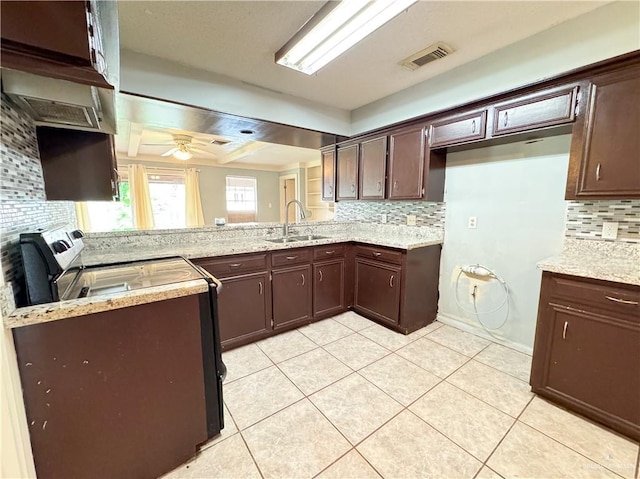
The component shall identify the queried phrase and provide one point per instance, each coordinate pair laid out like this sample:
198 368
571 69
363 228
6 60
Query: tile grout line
250 453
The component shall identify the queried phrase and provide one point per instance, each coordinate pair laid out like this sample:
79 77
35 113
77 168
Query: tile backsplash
585 219
427 214
23 206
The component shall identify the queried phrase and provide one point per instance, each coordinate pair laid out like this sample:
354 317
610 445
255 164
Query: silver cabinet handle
260 287
376 253
330 252
395 185
473 126
506 118
391 281
302 279
330 189
320 271
379 185
598 172
564 329
622 301
235 265
291 258
353 188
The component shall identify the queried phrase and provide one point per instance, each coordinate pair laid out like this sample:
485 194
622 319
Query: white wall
516 191
603 33
171 81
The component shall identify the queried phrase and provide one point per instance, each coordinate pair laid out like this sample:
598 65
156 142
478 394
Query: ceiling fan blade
200 150
170 152
168 142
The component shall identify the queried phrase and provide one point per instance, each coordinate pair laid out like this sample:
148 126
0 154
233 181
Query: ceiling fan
184 148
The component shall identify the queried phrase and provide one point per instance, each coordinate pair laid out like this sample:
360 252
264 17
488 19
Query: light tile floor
347 398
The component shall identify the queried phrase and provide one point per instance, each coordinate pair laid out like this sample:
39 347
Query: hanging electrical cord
483 271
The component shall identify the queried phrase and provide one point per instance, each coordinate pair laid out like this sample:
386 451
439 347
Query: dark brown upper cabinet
328 167
538 110
458 129
347 173
71 40
605 147
406 164
373 169
78 165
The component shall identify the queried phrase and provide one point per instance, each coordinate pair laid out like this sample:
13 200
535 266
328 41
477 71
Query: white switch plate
411 220
473 222
610 230
383 218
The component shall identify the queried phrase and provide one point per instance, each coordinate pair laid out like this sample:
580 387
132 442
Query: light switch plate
610 230
383 218
411 220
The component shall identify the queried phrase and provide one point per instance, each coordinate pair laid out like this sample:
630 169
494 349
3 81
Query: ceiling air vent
429 54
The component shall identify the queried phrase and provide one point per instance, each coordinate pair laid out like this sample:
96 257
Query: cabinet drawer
553 107
380 254
619 300
458 129
328 252
292 256
232 265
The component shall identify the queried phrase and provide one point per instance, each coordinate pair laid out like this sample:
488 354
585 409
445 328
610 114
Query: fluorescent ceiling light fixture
335 28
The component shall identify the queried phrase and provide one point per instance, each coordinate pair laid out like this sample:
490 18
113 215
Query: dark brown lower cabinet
328 288
243 309
377 290
587 349
291 296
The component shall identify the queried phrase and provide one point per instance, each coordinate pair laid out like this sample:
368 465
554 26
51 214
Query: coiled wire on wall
481 271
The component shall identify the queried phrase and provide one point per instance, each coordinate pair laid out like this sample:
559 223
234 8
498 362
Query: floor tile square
352 465
597 443
297 442
241 362
472 424
314 370
402 380
460 341
353 321
356 351
386 337
502 391
525 452
431 356
229 459
286 345
259 395
355 406
407 447
507 360
326 331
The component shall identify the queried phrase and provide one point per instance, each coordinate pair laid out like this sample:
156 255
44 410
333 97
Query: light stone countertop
72 308
617 262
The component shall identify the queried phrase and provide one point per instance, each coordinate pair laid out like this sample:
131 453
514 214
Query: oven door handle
206 274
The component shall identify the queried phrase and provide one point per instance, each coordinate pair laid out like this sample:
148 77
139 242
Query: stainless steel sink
293 239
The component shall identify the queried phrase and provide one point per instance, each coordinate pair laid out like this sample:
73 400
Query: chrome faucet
285 228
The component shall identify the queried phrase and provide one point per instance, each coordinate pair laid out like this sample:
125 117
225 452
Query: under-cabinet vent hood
61 103
429 54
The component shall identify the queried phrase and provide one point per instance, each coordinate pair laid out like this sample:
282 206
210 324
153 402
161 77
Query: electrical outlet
473 222
610 230
411 220
383 218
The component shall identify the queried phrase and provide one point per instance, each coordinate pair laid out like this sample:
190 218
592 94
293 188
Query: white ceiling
239 39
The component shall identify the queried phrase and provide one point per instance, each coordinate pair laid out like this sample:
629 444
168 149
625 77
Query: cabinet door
328 288
291 296
242 308
377 290
373 168
552 107
406 164
347 175
609 146
593 360
328 175
458 129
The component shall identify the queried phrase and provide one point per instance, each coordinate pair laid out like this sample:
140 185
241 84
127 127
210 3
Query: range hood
61 103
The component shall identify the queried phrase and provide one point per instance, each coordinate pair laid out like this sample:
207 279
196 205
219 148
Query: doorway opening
289 190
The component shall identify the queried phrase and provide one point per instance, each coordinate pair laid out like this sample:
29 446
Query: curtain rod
183 170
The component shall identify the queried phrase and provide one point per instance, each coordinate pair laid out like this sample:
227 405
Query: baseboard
476 329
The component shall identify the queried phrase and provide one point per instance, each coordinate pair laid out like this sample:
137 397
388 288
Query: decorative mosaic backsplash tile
585 219
22 199
427 214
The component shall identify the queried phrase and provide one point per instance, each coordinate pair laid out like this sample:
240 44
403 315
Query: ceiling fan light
182 155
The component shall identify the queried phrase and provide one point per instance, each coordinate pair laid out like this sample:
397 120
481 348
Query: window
112 215
242 196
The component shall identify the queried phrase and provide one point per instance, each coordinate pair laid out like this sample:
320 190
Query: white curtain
82 216
140 197
193 202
